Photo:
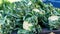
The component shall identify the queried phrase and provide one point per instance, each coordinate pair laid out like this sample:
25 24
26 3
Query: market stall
28 17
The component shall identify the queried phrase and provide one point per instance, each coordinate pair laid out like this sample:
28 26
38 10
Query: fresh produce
27 16
54 22
30 22
35 30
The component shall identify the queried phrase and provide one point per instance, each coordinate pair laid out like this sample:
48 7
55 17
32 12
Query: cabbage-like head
54 22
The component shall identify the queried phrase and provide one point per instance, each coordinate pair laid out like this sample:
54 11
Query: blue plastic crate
55 3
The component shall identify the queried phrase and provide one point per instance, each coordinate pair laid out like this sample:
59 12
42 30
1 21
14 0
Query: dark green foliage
35 12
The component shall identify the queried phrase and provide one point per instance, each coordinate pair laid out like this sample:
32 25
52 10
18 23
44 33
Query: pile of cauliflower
27 16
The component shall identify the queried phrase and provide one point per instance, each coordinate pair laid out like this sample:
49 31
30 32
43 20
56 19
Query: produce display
27 16
55 22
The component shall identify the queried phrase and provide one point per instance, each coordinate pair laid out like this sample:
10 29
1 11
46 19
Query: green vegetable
30 22
54 22
1 1
27 16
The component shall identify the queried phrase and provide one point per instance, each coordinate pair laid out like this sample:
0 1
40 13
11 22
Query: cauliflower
36 10
53 18
27 25
40 12
30 3
54 22
30 22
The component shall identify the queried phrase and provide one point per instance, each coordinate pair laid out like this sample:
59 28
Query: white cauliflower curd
53 18
27 25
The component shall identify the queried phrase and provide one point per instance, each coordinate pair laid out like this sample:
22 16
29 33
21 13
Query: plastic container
55 3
